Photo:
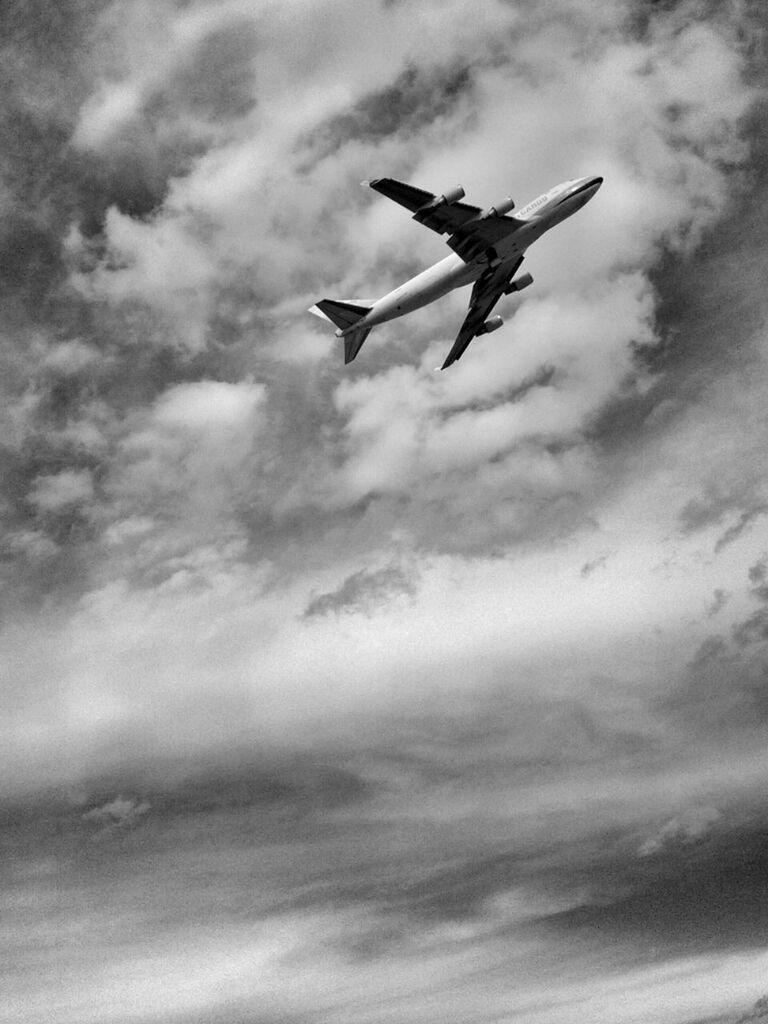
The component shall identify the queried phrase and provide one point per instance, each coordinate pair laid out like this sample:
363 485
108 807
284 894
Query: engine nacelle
518 284
424 213
499 209
449 198
491 325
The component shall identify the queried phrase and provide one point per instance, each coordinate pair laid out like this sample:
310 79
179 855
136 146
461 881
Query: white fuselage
539 216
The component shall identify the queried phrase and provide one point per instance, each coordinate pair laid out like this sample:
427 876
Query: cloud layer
443 692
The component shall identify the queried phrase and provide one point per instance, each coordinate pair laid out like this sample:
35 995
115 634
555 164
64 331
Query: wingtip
316 311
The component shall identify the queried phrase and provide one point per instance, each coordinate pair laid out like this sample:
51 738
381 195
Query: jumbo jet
488 248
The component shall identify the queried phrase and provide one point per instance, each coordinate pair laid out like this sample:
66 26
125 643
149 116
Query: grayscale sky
370 694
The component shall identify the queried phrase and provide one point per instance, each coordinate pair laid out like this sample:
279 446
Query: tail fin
344 315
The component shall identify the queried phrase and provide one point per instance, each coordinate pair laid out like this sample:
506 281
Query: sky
372 693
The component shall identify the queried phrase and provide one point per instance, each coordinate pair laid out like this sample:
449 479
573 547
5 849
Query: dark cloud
701 897
711 509
416 99
49 33
719 600
213 85
595 563
363 591
73 370
735 531
305 785
715 505
703 333
166 796
724 690
216 81
758 571
758 1014
753 630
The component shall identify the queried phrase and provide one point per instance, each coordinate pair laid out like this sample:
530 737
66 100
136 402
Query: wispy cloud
362 590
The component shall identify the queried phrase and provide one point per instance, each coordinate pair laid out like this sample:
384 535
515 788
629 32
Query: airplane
488 248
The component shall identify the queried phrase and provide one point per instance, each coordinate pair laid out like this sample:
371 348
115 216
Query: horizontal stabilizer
343 314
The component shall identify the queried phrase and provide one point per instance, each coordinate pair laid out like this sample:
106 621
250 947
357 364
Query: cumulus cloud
380 590
176 422
183 462
54 491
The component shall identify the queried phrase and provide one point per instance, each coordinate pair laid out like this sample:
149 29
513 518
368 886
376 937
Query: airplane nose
597 182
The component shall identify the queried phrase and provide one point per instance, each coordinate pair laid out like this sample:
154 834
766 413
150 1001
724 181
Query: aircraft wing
486 292
441 218
472 230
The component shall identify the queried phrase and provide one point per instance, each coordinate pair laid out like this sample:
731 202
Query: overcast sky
374 693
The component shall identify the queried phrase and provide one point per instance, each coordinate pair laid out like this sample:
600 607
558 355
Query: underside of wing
440 213
486 292
478 237
473 231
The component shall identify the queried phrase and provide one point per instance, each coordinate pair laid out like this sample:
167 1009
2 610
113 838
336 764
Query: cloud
757 572
719 600
757 1012
184 459
684 829
752 630
204 198
53 492
362 591
117 814
589 567
192 69
343 628
700 513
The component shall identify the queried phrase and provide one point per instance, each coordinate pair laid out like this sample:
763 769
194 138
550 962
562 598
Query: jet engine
518 284
499 209
449 198
491 325
424 213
